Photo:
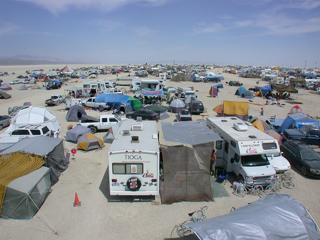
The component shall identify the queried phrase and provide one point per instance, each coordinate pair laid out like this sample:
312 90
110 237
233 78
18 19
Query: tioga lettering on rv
132 157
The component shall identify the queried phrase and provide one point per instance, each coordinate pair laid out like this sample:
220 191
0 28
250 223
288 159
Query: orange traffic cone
77 203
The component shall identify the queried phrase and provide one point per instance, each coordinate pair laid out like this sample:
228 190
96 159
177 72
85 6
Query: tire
93 130
304 171
1 127
289 184
133 184
183 231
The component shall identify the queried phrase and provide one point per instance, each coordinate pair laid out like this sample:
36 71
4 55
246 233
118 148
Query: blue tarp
296 121
219 85
264 90
114 99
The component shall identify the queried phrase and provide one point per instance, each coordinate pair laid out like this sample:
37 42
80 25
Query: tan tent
88 141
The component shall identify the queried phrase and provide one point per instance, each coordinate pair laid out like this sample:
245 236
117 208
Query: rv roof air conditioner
137 126
240 127
139 119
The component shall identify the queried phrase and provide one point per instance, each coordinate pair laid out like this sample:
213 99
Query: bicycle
274 185
287 180
195 216
243 189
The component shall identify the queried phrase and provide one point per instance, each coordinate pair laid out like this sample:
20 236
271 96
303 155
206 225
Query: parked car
15 82
4 121
184 115
145 114
303 157
235 83
196 106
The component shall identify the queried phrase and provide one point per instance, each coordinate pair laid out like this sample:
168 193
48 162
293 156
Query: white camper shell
243 150
134 159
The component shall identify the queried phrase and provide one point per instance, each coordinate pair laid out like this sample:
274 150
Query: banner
152 93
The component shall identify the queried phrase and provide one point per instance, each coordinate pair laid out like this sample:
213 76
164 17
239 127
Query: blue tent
219 85
264 90
241 90
296 121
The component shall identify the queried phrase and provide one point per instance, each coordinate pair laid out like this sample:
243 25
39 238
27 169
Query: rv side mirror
232 160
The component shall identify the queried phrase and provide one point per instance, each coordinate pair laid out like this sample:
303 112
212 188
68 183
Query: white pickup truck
90 102
104 122
54 100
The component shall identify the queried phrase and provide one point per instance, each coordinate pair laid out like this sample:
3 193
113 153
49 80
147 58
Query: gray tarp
25 195
188 132
73 134
275 216
51 148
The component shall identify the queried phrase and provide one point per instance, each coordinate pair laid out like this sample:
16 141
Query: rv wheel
133 184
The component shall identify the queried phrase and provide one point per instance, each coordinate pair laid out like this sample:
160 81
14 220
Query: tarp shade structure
88 142
261 125
275 216
157 108
13 166
264 90
239 109
34 116
240 90
26 194
177 105
73 134
296 120
50 148
116 100
188 132
295 109
75 114
213 92
186 174
284 88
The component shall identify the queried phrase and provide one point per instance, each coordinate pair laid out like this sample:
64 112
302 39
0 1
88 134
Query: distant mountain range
29 60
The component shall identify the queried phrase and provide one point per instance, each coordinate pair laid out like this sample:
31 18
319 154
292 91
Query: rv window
219 145
20 132
236 158
268 146
127 168
233 144
226 147
45 130
35 132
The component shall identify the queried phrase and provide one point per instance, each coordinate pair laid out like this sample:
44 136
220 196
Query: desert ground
100 218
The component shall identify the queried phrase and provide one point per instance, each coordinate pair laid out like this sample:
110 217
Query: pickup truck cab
90 102
104 122
54 100
307 134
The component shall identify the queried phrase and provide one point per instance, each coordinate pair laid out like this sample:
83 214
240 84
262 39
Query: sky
242 32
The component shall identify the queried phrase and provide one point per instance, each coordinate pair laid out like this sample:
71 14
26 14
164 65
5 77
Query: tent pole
55 232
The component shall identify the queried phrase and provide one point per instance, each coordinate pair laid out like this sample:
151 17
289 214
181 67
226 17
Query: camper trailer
134 159
153 84
125 81
243 150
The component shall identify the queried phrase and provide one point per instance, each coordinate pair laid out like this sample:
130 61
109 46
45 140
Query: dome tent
88 141
177 105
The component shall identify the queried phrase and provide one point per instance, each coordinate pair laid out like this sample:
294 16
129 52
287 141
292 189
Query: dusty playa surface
100 218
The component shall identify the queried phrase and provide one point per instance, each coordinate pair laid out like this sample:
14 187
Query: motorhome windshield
254 161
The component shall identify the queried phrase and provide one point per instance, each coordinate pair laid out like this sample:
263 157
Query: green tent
136 104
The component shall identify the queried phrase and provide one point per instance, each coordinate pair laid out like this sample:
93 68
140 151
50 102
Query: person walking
213 159
261 112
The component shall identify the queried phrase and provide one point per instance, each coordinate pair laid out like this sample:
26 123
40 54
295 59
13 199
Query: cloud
211 28
106 25
7 28
57 6
143 31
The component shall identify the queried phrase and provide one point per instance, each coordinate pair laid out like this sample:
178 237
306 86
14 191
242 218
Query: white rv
153 84
134 159
243 150
125 81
